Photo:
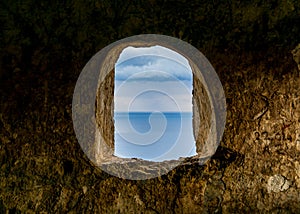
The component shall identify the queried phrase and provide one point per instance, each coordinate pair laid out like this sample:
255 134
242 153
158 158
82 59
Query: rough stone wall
204 132
104 143
201 114
105 109
256 168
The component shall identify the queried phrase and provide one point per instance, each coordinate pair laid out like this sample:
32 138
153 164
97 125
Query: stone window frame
98 126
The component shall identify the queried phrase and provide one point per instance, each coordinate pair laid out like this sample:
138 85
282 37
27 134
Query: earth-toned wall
44 47
102 149
256 167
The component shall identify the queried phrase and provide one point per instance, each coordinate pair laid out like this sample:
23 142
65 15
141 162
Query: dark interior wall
43 48
47 44
35 33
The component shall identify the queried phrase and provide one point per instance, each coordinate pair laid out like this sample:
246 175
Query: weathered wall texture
104 139
105 109
44 46
204 131
256 168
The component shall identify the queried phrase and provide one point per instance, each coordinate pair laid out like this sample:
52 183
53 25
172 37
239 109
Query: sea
154 136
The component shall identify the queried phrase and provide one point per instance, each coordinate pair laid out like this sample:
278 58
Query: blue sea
154 136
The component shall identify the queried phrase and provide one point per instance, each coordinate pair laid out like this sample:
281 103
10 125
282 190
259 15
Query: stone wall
256 168
105 109
205 132
105 125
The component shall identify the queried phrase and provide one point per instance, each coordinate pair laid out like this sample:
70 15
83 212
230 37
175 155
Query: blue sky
140 73
148 80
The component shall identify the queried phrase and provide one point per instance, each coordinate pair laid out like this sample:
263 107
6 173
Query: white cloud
150 65
156 58
160 82
151 96
131 52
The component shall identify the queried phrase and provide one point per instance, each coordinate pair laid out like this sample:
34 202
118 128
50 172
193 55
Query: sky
152 79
